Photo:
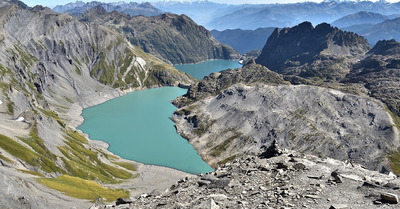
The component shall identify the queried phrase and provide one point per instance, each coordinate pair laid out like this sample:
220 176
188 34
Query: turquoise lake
202 69
137 125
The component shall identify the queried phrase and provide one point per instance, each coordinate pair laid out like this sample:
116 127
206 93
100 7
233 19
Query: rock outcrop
214 83
379 72
290 180
324 52
172 38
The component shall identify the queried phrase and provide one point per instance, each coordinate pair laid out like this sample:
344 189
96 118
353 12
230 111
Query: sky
52 3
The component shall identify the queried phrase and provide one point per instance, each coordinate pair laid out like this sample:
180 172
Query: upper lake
137 125
202 69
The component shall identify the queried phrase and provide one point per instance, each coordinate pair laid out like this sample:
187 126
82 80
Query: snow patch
141 62
20 119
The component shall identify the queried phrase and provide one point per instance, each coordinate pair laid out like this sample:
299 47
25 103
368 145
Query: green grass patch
77 61
83 189
126 165
217 150
394 159
229 159
6 159
84 163
35 173
35 159
395 118
54 115
77 70
10 108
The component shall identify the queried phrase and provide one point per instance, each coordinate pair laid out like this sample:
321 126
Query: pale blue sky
52 3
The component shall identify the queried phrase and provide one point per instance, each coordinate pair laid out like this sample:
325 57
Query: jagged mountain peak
386 47
293 50
131 8
13 2
97 10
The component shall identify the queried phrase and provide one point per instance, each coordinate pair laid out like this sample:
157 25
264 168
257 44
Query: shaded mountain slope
244 41
380 73
173 38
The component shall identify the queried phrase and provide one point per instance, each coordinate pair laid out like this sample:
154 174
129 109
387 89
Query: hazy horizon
52 4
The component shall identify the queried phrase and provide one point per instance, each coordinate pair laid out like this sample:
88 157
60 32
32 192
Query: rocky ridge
215 83
324 52
379 72
131 8
172 38
276 179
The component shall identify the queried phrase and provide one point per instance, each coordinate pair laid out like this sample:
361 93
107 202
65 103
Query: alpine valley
311 119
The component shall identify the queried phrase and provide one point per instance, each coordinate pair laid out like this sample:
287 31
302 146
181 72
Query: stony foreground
286 180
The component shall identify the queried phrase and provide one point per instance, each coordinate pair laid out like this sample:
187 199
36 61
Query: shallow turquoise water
202 69
137 127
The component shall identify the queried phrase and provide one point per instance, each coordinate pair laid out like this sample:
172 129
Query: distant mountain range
385 30
244 40
131 8
246 16
360 18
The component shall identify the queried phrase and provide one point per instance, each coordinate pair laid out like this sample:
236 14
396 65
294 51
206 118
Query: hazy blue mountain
131 8
389 29
201 12
244 40
223 16
359 18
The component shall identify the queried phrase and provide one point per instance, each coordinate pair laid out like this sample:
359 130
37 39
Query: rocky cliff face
379 72
173 38
324 51
52 66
